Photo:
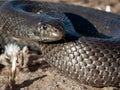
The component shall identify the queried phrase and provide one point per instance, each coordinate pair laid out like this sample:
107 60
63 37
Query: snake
81 42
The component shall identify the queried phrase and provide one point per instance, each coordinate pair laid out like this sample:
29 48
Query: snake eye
44 27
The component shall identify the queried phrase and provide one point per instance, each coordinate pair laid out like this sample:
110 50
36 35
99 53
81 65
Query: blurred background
110 5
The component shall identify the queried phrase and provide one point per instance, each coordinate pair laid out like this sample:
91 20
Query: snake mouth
53 37
45 36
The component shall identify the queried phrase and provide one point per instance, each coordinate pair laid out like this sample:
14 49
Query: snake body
89 60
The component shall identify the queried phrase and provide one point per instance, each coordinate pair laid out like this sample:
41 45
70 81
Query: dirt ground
115 4
41 76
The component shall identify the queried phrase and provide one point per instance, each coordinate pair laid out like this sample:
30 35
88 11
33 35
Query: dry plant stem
9 77
20 60
16 58
13 71
26 55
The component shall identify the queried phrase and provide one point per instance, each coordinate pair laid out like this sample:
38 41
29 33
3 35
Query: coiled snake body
89 57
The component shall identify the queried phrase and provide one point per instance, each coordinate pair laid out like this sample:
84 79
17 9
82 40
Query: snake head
48 30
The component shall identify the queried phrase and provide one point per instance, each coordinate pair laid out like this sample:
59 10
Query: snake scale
89 55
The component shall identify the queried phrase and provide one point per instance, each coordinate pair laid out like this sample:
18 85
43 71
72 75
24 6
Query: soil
114 4
40 76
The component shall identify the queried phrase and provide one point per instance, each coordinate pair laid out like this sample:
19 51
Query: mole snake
82 43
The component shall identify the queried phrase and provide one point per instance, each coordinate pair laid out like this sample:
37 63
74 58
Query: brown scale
86 64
